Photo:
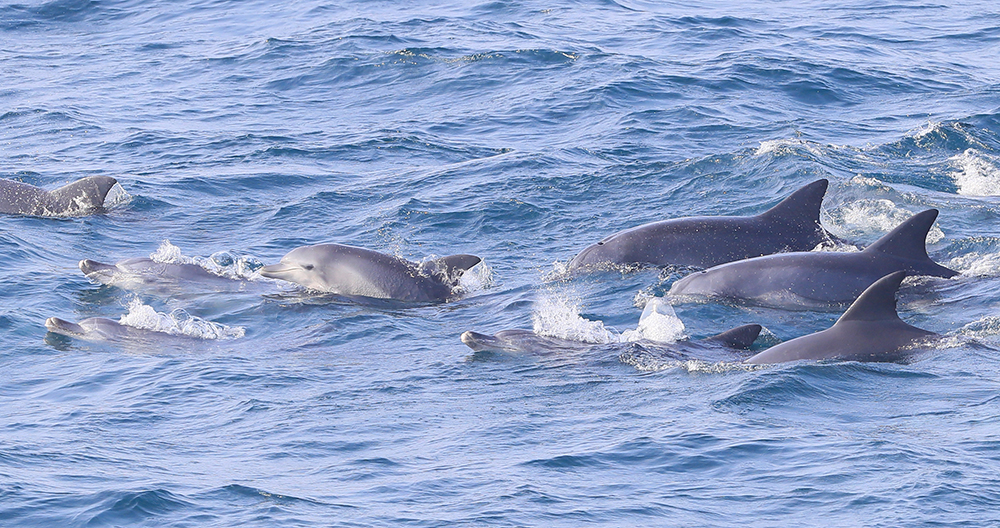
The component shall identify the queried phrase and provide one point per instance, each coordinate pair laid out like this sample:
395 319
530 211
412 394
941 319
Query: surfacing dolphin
740 338
82 197
792 225
818 278
353 271
98 329
145 273
870 330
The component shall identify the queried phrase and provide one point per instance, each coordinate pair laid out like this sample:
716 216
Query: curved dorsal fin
451 267
802 206
877 302
909 239
739 337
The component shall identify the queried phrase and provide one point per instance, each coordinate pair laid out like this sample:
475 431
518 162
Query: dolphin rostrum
791 225
85 196
870 330
353 271
819 278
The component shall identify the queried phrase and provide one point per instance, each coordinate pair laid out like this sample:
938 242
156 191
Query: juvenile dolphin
145 273
82 197
817 278
792 225
99 329
740 338
870 330
354 271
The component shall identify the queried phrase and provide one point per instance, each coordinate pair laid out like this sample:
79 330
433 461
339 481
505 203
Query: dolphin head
305 265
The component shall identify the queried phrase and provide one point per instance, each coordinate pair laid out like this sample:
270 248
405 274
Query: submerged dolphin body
98 329
85 196
144 273
792 225
817 278
353 271
870 330
740 338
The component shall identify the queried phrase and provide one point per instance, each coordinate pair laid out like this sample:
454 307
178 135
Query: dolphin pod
85 196
792 225
353 271
870 330
817 278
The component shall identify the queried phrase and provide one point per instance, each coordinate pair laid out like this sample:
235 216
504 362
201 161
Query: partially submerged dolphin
145 273
792 225
100 329
353 271
85 196
817 278
740 338
870 330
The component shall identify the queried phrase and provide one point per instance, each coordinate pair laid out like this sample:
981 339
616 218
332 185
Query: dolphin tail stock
877 302
741 337
451 267
802 206
909 241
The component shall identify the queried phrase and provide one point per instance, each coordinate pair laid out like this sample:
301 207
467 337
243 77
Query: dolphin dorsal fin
802 206
909 239
451 267
740 337
877 302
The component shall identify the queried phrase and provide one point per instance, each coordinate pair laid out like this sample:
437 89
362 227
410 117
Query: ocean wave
977 174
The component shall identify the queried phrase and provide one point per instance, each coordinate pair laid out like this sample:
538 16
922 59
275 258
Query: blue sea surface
520 132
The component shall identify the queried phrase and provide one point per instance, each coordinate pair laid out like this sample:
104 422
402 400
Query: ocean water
520 132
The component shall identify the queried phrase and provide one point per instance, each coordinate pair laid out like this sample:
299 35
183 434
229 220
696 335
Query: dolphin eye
308 267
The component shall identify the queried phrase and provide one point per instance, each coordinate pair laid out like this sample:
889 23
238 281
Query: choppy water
519 132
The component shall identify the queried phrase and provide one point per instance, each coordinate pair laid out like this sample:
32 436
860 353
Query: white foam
978 174
116 196
976 264
988 326
559 316
178 322
658 322
787 146
475 279
873 218
222 263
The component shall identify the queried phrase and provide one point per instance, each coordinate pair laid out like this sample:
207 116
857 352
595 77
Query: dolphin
740 338
85 196
870 330
817 278
792 225
99 329
353 271
145 273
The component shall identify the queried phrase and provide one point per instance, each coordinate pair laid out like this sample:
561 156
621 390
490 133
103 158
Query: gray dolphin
792 225
82 197
740 338
144 273
817 278
870 330
99 329
354 271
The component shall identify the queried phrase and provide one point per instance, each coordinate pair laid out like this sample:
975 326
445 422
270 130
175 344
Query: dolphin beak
276 271
59 326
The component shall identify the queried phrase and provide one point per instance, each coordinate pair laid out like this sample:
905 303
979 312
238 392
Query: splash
977 264
222 263
987 327
476 279
978 173
557 316
873 218
658 322
178 322
783 147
